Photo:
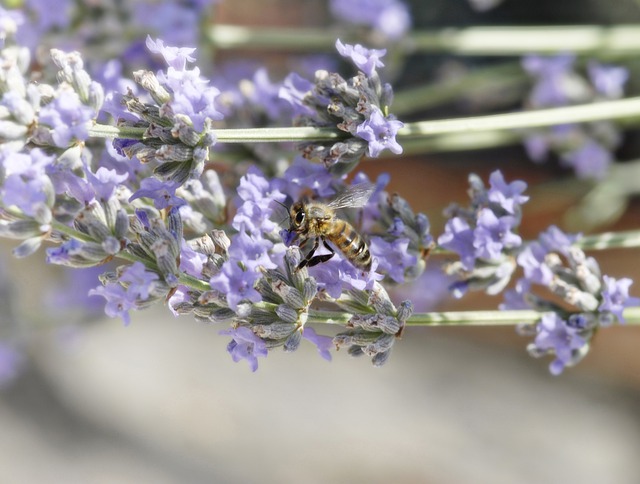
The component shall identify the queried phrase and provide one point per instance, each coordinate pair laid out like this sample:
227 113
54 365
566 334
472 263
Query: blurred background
161 400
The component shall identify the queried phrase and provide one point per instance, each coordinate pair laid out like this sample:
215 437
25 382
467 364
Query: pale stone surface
161 401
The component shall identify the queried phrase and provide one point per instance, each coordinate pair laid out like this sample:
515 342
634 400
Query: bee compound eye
299 217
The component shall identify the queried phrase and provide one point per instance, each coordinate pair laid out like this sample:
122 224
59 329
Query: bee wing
355 196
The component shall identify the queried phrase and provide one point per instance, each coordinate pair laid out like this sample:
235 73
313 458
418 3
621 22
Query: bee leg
309 256
321 258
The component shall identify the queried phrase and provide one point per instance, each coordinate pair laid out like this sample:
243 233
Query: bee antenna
282 204
286 208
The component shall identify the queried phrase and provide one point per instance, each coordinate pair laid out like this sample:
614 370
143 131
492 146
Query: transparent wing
355 196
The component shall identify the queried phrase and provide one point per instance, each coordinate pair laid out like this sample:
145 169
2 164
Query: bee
318 222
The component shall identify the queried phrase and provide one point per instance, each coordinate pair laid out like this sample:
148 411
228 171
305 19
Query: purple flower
49 18
251 251
162 193
555 335
323 343
590 160
266 94
493 234
119 300
68 118
109 75
294 90
458 237
551 73
393 257
380 133
28 195
365 59
105 181
191 261
615 296
190 94
555 240
257 195
176 57
179 22
507 195
390 17
516 298
532 261
236 283
537 147
608 80
245 345
140 281
303 175
338 273
60 254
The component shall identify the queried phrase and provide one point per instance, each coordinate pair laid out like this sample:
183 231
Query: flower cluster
554 263
587 148
375 325
177 128
483 235
358 106
214 235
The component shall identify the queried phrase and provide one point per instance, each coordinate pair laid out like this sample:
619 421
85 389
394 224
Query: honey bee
318 222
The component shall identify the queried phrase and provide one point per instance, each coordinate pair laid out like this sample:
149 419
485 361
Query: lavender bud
287 313
380 359
293 342
174 224
222 314
150 83
588 281
309 290
174 153
221 241
405 310
20 229
203 244
383 343
27 247
121 227
294 298
111 245
381 301
375 322
183 130
274 330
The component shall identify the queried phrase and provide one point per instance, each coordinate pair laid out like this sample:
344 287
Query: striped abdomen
350 243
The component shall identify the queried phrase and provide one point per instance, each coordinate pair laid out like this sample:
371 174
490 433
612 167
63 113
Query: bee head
298 217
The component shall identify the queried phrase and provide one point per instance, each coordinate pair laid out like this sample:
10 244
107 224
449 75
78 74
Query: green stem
619 40
610 240
598 111
508 40
462 318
